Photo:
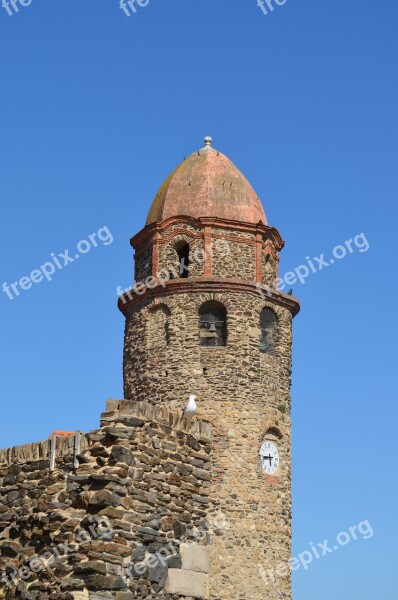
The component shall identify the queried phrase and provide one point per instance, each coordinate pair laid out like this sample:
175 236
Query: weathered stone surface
195 557
158 575
83 595
121 454
117 510
186 583
71 583
160 479
91 566
104 582
242 388
104 498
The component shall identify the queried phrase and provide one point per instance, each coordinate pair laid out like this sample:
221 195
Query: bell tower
205 318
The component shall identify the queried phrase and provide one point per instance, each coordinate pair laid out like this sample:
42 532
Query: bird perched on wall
290 292
191 408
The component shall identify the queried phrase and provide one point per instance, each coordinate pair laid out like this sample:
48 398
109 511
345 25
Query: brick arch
181 237
214 297
154 304
279 311
275 431
170 253
272 307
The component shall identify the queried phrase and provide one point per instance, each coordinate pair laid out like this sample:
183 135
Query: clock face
269 456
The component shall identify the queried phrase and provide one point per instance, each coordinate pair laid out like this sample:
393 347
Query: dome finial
208 141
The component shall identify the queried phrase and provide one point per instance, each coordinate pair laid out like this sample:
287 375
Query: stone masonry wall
168 256
129 523
234 257
143 264
244 394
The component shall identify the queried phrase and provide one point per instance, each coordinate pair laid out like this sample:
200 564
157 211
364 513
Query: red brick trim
184 232
155 255
208 253
259 257
272 479
202 222
209 284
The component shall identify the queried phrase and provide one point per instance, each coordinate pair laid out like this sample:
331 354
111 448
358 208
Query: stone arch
269 331
273 432
180 249
281 313
164 301
215 297
181 238
213 324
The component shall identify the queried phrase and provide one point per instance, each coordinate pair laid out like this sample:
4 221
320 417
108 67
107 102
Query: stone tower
205 318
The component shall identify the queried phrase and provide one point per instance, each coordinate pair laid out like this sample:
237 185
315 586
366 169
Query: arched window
213 324
269 331
183 259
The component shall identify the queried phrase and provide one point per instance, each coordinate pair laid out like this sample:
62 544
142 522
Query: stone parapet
121 523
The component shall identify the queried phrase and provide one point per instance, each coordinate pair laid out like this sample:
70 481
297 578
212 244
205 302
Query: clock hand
269 457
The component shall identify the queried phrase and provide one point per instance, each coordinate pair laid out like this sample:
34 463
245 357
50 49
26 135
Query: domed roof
207 184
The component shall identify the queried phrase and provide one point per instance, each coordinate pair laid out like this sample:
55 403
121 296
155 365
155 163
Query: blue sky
97 108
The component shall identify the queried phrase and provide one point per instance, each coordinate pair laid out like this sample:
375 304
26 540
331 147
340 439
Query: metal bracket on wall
53 452
77 449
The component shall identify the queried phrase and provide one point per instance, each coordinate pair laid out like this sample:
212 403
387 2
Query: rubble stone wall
244 393
129 522
233 254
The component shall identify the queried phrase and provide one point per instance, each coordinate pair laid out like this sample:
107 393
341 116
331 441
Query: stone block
121 454
186 583
83 595
195 558
158 575
92 566
70 583
104 582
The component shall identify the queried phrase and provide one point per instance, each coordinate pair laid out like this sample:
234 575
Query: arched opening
269 331
273 433
213 324
183 259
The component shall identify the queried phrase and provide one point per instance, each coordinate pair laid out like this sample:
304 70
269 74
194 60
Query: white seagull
191 408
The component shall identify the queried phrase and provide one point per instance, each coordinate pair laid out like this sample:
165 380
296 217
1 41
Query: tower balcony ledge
210 284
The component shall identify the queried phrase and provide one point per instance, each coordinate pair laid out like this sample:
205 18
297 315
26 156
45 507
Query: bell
212 328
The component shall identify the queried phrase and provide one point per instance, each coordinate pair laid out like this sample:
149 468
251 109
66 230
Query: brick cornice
147 233
210 284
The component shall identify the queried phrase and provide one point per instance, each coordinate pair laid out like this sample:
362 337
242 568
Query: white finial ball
208 140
